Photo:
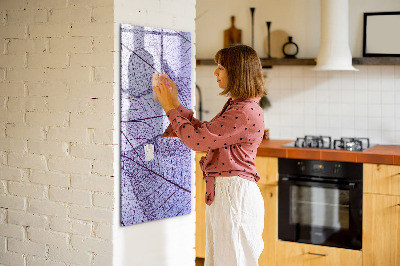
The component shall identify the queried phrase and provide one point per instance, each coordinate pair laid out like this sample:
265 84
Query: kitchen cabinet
381 215
381 221
290 253
200 209
267 168
381 179
381 230
270 233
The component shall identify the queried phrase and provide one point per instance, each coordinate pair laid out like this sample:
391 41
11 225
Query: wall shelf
312 61
376 61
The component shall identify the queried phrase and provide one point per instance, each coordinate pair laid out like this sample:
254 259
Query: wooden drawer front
297 254
267 168
381 230
381 179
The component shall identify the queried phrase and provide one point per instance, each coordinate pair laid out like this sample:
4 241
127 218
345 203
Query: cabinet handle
318 254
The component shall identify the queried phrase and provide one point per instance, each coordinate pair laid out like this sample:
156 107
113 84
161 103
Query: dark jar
290 49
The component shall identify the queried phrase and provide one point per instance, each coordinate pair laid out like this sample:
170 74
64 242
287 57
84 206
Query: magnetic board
155 171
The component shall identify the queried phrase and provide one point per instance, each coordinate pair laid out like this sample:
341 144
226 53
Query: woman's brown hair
245 78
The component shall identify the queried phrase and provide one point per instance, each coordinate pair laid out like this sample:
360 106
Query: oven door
321 212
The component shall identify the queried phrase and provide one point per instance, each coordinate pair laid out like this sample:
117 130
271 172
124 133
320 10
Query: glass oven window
318 207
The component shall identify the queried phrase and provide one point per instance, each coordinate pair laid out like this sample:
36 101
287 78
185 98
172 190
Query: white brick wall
56 126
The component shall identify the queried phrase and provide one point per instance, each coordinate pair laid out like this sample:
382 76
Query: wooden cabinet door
381 179
381 230
267 168
297 254
200 209
270 233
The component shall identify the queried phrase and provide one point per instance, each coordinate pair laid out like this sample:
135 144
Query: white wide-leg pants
234 223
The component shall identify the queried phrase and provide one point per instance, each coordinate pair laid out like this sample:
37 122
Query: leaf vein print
155 171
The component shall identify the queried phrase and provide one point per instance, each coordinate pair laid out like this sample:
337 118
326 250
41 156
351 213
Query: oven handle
297 181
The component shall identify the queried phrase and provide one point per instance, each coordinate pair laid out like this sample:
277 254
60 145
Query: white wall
338 104
163 242
299 18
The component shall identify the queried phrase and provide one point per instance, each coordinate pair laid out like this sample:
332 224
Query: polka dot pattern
231 139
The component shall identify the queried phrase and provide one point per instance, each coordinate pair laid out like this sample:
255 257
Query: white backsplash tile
388 97
365 103
387 124
374 97
389 136
361 110
374 110
348 95
387 71
322 121
397 123
388 84
361 123
388 111
374 84
348 122
374 123
375 136
347 110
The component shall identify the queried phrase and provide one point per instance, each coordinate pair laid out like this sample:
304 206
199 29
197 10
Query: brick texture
71 226
48 237
28 219
27 247
49 208
49 178
56 121
21 46
71 44
12 89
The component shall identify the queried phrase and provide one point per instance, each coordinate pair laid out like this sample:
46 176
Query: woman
235 207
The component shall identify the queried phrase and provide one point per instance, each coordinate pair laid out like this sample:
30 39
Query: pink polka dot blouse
231 139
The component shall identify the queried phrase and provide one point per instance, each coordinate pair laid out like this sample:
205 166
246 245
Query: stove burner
308 141
324 142
351 144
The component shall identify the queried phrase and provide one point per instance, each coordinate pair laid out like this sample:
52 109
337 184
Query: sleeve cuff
172 114
184 111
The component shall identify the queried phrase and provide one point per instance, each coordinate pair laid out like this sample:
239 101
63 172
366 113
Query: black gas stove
325 142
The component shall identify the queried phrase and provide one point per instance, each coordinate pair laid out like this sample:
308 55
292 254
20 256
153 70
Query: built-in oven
320 202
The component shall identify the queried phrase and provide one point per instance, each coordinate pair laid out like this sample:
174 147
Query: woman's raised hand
174 89
165 94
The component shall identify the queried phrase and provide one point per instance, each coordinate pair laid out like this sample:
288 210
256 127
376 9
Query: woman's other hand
164 95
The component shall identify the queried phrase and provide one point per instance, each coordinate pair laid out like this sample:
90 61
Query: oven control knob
302 167
336 169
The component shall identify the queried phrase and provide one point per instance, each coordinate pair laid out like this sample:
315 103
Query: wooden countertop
379 154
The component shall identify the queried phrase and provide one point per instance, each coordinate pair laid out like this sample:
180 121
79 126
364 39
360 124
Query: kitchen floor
199 262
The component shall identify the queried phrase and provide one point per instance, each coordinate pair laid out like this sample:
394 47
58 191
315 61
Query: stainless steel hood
334 52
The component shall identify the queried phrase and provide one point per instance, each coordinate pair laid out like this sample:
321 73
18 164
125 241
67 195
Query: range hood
334 51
